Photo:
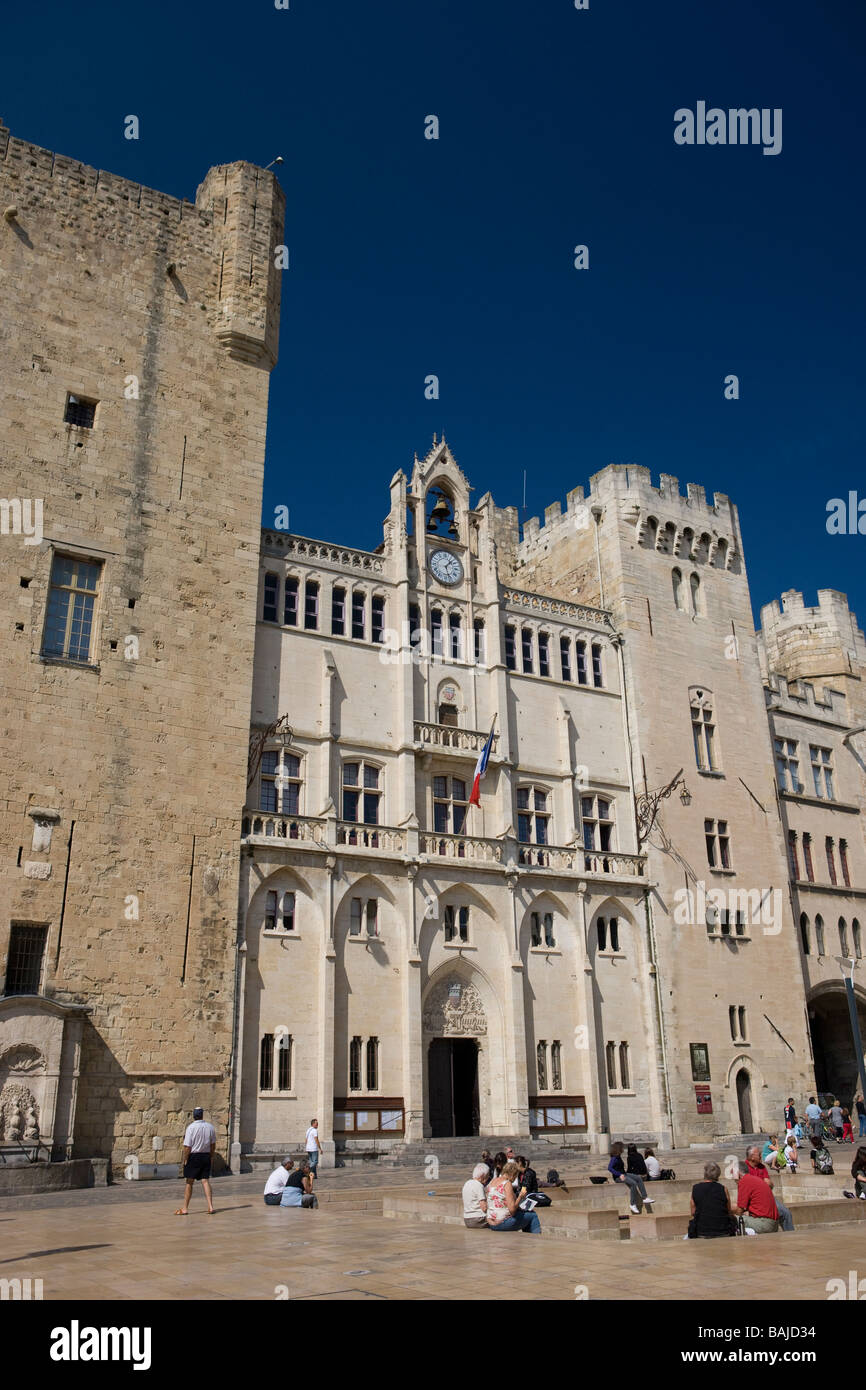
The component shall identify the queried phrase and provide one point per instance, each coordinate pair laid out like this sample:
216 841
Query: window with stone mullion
450 805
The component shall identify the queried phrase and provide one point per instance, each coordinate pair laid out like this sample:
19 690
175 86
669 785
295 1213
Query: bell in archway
440 513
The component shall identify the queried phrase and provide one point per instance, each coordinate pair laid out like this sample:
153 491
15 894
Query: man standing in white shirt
277 1181
313 1147
199 1143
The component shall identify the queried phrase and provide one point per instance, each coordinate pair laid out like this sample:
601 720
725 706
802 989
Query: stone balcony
448 736
407 843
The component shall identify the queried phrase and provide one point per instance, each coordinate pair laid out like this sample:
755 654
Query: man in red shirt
756 1204
757 1169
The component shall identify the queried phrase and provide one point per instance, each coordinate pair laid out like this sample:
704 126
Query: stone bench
446 1210
807 1216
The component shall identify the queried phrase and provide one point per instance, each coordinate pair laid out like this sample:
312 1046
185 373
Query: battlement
805 698
796 642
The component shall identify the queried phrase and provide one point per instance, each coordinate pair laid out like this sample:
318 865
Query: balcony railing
383 837
268 823
612 862
461 847
449 736
548 857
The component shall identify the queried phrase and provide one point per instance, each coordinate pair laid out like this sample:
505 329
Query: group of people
713 1214
503 1192
831 1122
290 1186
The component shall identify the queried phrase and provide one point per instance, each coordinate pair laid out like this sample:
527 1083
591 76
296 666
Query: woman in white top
653 1167
791 1152
475 1198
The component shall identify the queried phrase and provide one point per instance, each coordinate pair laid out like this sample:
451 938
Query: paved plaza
124 1242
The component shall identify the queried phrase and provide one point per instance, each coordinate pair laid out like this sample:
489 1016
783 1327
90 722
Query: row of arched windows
669 540
845 942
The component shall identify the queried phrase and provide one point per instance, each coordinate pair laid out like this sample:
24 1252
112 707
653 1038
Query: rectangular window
290 608
787 765
436 631
311 605
355 917
266 1063
510 648
526 649
24 961
580 648
831 859
372 915
71 610
359 614
565 657
535 929
597 818
378 619
718 844
372 1064
268 782
290 785
700 1054
543 654
338 612
822 771
80 412
271 912
597 672
414 623
272 594
807 856
478 634
355 1064
284 1063
288 912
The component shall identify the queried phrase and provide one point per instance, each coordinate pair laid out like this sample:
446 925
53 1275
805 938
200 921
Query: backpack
552 1177
823 1161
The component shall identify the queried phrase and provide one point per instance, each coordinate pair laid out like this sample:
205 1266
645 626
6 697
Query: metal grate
79 412
24 962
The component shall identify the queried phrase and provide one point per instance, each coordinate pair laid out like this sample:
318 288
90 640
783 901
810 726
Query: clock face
447 568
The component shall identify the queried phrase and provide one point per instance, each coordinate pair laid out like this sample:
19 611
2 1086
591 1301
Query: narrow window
288 912
478 636
710 837
290 613
284 1063
372 915
843 859
580 648
448 922
510 648
602 934
266 1063
807 856
338 612
464 923
804 933
724 845
697 602
549 939
24 959
526 649
311 605
819 935
792 854
679 597
556 1065
541 1063
742 1022
79 412
355 1064
272 591
372 1064
543 654
623 1066
596 665
271 912
359 614
71 610
831 859
414 623
843 937
822 772
610 1058
355 917
268 782
436 630
858 947
787 765
377 618
614 934
290 785
534 929
565 657
455 633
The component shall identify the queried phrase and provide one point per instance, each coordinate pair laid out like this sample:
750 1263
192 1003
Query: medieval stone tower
137 339
727 977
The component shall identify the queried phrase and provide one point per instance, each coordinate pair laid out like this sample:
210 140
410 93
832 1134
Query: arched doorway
455 1025
744 1101
833 1044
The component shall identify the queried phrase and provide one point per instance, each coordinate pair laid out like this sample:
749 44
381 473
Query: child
847 1131
799 1133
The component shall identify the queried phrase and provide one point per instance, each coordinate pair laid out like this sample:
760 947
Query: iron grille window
24 961
284 1063
541 1062
355 1064
80 412
71 608
266 1063
372 1064
556 1065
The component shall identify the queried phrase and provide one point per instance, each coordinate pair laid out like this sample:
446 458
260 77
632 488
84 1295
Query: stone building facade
137 337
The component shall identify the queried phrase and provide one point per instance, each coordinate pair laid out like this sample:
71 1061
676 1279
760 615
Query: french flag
481 768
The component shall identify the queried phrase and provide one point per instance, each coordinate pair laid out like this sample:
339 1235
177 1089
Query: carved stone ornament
19 1115
22 1059
461 1016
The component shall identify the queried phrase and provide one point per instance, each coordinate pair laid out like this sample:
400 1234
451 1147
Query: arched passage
832 1040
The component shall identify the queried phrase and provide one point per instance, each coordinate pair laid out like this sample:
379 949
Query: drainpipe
237 1019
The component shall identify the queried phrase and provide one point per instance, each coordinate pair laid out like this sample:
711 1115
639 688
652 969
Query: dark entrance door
744 1100
453 1087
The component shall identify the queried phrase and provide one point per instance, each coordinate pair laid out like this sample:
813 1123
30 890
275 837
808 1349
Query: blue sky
454 257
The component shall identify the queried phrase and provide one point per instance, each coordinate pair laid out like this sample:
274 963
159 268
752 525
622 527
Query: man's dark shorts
197 1166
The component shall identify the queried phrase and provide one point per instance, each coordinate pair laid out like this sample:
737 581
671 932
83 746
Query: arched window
819 935
804 933
478 633
284 1062
858 947
667 539
372 1064
649 534
455 636
610 1059
679 593
624 1066
614 934
556 1065
697 596
720 556
684 549
280 783
541 1064
441 517
601 928
355 1064
843 936
361 793
702 549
